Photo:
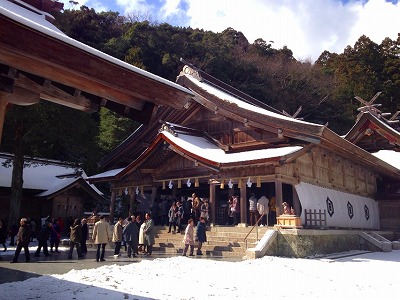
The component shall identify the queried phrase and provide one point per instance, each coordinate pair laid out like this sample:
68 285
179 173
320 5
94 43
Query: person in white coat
142 247
262 208
101 236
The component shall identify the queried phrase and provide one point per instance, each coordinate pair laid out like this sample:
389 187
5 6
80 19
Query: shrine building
227 143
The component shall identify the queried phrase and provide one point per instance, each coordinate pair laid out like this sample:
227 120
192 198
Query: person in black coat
55 235
42 238
130 234
23 238
75 238
201 235
85 235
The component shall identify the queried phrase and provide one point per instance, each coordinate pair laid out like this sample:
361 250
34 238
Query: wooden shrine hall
227 143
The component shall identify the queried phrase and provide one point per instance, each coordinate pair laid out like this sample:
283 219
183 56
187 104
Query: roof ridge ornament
168 128
190 69
294 116
370 107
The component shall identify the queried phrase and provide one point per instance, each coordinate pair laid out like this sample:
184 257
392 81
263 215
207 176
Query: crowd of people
192 209
49 231
133 234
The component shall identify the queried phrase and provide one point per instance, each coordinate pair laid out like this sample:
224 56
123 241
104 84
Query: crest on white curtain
188 183
170 184
137 190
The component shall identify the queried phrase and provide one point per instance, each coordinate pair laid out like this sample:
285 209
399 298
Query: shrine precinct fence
315 218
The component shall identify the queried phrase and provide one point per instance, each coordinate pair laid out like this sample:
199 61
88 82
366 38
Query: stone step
167 239
221 229
206 252
227 241
209 246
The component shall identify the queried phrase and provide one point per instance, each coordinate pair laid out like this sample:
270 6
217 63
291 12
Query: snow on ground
364 276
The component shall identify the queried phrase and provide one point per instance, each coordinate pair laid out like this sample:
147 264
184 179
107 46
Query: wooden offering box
288 221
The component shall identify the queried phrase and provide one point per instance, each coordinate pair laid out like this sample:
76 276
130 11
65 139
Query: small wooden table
288 221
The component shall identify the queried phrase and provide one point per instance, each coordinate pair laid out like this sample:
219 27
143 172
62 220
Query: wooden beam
21 96
82 68
147 171
50 92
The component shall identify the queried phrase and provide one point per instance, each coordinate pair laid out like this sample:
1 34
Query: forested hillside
325 89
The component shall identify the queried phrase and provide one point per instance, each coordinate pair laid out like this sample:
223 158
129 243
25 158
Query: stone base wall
306 243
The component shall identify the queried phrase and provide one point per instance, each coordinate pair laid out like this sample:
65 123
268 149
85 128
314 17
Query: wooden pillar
132 200
243 206
153 195
212 203
3 106
279 198
296 202
112 206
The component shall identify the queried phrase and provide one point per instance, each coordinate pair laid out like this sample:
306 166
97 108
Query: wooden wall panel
321 167
322 174
305 168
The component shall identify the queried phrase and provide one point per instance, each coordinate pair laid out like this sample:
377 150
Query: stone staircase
222 241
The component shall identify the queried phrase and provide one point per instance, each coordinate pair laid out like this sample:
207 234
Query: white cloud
378 19
135 5
307 27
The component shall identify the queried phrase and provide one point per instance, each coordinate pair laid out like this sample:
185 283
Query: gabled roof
373 134
198 147
235 107
202 148
48 177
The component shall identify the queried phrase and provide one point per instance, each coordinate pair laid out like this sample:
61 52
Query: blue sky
307 27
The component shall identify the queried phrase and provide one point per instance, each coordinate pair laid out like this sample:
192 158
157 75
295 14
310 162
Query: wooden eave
146 155
297 130
76 77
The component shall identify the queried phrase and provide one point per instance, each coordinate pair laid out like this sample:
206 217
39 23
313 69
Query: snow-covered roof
242 104
35 19
109 173
200 146
46 176
389 156
204 149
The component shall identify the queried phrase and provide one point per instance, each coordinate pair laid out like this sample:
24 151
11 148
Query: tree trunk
17 180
